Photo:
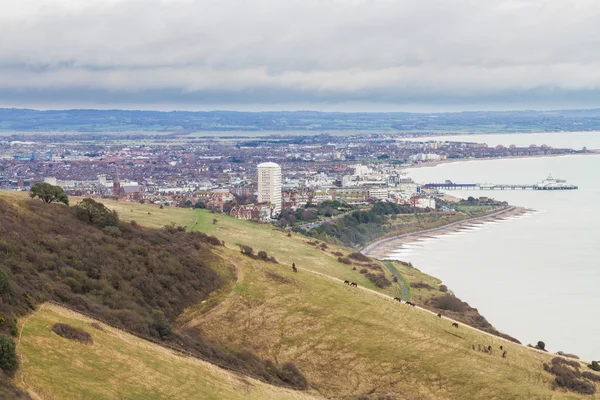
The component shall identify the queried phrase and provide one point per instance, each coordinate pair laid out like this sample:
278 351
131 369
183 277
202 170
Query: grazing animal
398 299
353 284
490 349
504 354
455 325
439 315
294 268
347 282
410 303
501 348
473 346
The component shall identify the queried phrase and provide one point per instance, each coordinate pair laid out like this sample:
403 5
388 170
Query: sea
535 276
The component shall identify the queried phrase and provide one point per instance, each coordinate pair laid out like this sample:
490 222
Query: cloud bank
288 53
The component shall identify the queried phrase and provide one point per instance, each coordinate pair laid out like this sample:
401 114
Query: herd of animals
483 349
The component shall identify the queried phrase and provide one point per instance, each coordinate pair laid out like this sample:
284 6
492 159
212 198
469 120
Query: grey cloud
301 51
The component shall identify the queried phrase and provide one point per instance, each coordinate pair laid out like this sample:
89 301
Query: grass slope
121 366
286 250
350 342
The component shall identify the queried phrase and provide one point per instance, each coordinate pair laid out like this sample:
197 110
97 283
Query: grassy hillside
287 250
134 278
351 342
121 366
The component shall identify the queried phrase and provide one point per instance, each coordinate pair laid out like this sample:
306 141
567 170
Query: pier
487 186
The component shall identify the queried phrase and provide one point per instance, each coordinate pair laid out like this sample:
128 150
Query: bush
568 376
443 288
95 213
379 280
338 254
591 376
72 333
8 355
160 324
595 365
359 257
541 345
344 260
246 250
263 255
450 303
363 271
290 374
420 285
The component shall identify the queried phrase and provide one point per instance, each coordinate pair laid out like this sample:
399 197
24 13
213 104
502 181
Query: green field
121 366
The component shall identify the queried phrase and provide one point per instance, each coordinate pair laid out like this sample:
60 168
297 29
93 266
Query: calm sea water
536 277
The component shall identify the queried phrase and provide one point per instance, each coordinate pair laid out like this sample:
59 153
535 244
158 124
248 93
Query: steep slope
121 366
351 342
134 278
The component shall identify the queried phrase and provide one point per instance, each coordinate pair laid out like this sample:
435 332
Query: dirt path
400 282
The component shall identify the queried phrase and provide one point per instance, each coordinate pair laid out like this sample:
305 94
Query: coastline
382 248
429 164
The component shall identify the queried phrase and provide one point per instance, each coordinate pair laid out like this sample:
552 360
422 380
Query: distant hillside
104 121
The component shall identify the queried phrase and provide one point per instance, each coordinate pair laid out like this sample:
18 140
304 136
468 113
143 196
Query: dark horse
347 282
353 284
398 299
410 303
455 325
294 267
439 315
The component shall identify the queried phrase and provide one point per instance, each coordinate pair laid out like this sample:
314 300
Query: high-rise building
269 185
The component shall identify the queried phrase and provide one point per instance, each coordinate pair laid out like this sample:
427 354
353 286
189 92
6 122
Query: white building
378 193
269 185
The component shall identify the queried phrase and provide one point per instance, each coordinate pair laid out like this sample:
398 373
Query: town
246 177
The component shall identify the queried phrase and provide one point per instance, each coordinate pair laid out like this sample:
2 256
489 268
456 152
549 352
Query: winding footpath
400 281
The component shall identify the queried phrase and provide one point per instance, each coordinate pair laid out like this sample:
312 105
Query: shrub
95 213
8 354
443 288
569 378
420 285
591 376
72 333
338 254
5 285
160 324
562 361
541 345
246 250
595 365
363 271
344 260
359 257
290 374
450 303
113 231
379 280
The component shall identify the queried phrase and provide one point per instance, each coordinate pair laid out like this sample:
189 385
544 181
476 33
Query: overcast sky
347 55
